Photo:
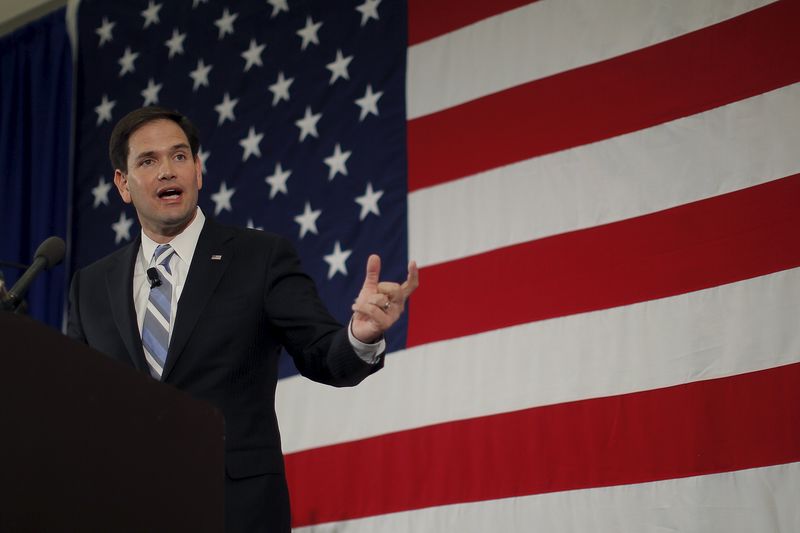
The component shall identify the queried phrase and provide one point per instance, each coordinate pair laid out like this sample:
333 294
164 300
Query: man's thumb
373 272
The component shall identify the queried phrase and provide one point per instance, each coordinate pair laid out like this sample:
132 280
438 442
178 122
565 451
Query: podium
88 444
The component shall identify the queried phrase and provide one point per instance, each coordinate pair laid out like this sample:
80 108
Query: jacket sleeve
319 345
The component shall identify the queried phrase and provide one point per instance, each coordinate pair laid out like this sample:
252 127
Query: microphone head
52 250
152 275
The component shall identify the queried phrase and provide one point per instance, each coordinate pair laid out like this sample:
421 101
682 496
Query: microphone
48 254
152 275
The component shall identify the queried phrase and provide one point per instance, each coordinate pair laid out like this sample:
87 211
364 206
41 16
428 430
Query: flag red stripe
732 423
736 59
430 18
711 242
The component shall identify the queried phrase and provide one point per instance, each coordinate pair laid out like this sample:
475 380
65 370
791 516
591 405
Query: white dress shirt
184 245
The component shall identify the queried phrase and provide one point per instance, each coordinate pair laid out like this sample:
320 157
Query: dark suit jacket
233 317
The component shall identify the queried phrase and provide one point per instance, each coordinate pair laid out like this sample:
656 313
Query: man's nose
166 170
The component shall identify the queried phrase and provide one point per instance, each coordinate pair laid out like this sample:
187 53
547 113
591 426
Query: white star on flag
336 162
222 199
200 74
308 220
308 124
126 61
225 23
104 110
151 14
195 3
336 260
369 202
203 157
338 67
150 94
277 181
280 89
253 55
225 109
369 10
277 7
104 31
100 192
122 228
309 33
250 144
175 43
368 103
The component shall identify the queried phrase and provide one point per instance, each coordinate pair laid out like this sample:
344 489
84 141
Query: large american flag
603 198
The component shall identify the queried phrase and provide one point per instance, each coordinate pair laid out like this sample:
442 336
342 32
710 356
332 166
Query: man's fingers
412 282
395 292
380 303
380 300
374 313
388 287
373 272
392 290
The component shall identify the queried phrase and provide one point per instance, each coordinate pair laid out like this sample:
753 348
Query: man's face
162 179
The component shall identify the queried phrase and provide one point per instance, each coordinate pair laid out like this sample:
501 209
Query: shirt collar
183 243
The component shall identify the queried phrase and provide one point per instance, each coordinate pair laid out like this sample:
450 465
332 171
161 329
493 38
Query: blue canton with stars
301 111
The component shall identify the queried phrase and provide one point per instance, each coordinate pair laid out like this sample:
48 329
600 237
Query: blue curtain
35 111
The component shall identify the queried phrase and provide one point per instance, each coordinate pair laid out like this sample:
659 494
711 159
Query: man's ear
121 181
198 171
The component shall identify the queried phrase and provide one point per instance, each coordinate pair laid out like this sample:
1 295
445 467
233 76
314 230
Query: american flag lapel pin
216 257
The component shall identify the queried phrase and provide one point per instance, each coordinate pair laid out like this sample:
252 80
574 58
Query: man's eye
180 157
146 162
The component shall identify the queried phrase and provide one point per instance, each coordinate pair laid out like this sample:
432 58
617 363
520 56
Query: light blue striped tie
155 329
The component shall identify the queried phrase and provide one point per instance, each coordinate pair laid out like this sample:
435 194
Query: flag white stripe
745 501
520 45
722 150
722 331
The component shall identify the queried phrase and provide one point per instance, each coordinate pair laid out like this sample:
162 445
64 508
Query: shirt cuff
369 353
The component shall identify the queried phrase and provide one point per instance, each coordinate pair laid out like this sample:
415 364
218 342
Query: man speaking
207 308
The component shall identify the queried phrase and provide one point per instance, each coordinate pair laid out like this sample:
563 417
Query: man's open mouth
170 192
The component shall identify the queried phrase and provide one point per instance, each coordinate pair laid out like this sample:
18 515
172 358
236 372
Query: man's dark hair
118 148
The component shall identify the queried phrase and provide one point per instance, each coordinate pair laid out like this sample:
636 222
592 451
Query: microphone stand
47 255
7 303
22 307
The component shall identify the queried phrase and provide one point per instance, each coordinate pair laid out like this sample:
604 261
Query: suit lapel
204 276
119 283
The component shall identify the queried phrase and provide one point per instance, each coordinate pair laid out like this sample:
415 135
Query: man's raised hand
380 303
